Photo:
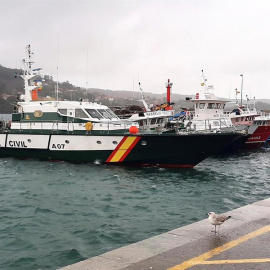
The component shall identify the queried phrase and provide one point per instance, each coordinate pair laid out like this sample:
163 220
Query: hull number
58 146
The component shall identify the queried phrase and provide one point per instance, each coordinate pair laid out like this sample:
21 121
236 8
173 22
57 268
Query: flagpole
242 89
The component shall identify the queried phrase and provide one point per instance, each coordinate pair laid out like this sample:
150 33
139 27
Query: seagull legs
215 231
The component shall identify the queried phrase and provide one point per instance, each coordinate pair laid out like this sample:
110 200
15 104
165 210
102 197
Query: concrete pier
243 242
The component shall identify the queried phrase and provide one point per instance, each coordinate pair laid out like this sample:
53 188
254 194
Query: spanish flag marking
123 149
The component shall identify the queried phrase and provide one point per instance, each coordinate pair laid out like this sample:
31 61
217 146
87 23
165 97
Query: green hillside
11 88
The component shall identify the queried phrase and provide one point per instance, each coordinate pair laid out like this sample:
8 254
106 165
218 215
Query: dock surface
243 243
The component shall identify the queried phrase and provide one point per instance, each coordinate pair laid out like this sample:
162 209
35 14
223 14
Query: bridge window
112 113
62 111
201 105
159 120
153 121
211 106
105 114
94 113
79 113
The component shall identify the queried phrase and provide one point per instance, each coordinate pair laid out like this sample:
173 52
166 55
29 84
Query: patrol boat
78 131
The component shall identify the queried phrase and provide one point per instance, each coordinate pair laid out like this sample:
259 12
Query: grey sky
148 40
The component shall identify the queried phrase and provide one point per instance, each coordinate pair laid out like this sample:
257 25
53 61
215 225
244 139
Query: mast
143 100
31 77
242 90
57 83
86 85
203 85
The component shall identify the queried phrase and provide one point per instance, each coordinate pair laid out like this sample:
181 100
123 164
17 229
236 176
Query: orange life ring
88 126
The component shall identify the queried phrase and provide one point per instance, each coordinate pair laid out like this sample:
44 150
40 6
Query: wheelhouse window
105 114
218 105
159 120
211 106
111 113
62 111
142 123
94 113
79 113
153 121
201 105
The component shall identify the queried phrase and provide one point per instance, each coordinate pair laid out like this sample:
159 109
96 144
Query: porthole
144 142
98 142
29 140
115 142
66 141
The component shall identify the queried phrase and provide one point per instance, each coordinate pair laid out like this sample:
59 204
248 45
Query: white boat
208 114
80 131
153 119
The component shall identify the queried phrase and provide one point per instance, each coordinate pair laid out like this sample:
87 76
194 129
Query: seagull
216 219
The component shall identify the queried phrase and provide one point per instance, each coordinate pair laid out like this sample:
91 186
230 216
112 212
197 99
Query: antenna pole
242 90
203 83
133 87
86 86
143 100
56 94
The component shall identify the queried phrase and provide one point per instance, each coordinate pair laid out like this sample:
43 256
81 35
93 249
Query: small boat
81 131
151 119
258 127
208 114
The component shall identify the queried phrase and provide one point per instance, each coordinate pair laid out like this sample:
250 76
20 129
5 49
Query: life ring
88 126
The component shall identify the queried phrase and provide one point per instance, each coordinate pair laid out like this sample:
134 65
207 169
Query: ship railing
211 125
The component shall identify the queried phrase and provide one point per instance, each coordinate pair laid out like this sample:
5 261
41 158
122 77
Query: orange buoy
133 130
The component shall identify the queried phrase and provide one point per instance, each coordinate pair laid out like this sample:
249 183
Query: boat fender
88 126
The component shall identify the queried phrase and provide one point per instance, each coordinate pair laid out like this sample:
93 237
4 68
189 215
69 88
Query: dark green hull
166 150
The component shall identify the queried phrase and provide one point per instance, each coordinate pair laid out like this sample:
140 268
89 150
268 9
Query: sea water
56 214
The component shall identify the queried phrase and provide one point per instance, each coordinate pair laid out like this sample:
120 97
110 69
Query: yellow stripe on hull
123 148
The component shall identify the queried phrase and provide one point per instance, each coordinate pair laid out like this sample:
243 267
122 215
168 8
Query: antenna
86 85
242 89
203 81
133 87
247 102
57 86
143 101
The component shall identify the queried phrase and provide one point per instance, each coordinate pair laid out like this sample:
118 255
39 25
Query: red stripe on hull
116 149
188 166
260 136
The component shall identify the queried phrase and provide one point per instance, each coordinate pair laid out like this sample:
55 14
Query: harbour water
55 213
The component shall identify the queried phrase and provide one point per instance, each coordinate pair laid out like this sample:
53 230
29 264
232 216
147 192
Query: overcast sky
112 43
